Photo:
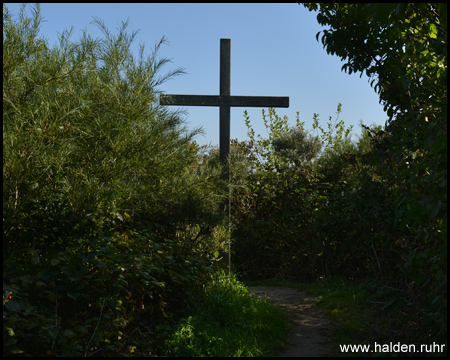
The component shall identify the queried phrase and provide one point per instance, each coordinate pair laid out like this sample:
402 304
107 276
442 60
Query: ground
310 334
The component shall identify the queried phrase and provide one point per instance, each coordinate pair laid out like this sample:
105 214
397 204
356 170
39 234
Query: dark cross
225 101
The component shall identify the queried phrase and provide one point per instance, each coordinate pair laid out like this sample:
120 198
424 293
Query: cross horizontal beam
218 100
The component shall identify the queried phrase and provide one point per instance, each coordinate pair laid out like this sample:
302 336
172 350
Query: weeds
230 322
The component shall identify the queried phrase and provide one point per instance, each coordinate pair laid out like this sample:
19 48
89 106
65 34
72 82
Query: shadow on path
310 334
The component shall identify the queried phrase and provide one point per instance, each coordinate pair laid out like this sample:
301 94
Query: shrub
102 206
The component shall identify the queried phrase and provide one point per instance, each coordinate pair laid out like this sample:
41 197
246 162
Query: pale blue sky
274 52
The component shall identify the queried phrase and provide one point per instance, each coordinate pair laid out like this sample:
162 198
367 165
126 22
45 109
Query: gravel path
310 334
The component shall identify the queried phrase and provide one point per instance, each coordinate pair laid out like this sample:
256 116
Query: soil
311 331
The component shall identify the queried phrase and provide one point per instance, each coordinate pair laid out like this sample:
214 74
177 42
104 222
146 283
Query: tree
82 121
402 45
403 50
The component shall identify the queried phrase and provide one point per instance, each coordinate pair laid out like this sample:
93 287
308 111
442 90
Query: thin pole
229 230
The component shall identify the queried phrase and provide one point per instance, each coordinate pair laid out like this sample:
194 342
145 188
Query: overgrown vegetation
111 223
106 227
373 209
230 322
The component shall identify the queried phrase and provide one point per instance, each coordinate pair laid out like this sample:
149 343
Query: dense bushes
317 214
95 297
107 228
332 215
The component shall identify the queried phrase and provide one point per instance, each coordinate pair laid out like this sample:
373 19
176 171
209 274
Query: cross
225 101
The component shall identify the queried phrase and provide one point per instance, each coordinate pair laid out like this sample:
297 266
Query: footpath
310 334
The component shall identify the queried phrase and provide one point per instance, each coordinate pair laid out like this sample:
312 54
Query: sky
274 52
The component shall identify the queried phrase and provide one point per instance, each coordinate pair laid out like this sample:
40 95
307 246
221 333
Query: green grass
230 322
351 307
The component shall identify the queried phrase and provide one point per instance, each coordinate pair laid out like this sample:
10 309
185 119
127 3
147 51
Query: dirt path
311 331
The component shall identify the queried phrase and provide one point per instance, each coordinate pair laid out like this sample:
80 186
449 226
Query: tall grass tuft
230 322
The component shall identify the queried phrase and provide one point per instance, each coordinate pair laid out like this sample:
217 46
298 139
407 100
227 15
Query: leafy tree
403 49
82 121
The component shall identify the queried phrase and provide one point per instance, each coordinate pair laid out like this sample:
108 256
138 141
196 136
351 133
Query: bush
338 215
102 205
93 298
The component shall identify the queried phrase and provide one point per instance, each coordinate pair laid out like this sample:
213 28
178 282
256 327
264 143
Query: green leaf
435 209
69 333
40 284
433 31
51 297
52 333
73 295
12 306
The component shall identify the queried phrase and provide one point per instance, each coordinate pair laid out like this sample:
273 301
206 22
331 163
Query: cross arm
217 100
190 100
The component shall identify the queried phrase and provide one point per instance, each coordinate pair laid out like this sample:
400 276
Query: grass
230 322
351 307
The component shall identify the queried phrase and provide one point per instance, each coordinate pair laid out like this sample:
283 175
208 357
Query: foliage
296 147
331 216
272 214
274 211
102 205
404 45
230 322
93 299
112 210
403 49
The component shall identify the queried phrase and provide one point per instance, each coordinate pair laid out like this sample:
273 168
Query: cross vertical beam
224 118
225 92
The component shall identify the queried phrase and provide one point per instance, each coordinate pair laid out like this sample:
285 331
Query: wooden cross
225 101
